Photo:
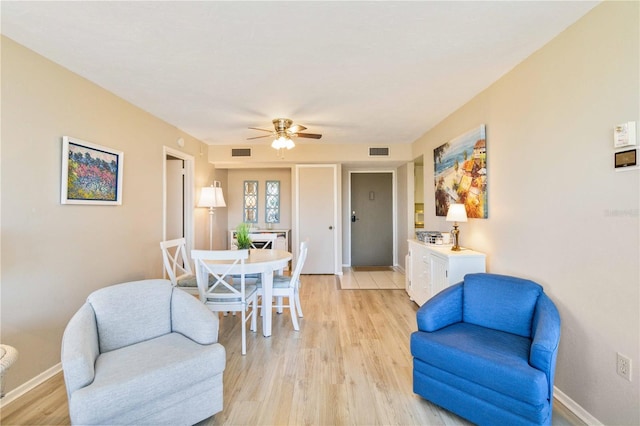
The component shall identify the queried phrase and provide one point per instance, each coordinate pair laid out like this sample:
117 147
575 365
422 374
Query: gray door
371 219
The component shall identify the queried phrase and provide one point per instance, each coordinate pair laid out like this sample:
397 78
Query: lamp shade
457 213
211 196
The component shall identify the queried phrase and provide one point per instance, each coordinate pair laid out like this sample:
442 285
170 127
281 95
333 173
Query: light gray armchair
142 352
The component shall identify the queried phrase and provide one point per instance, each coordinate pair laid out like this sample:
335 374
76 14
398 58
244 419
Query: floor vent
241 152
378 152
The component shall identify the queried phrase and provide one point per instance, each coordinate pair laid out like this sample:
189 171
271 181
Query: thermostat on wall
626 158
624 134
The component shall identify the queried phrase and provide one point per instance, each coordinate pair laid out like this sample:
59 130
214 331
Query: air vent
241 152
379 152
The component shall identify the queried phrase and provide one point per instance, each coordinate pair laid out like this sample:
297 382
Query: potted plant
242 236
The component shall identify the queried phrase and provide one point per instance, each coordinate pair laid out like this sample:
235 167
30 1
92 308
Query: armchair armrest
443 309
193 319
80 349
545 335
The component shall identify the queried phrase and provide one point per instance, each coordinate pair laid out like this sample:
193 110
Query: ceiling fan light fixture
289 143
282 142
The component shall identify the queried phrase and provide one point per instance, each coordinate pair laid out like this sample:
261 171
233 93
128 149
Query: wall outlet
624 366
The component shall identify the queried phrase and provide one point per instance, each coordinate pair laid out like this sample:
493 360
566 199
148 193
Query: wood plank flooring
349 364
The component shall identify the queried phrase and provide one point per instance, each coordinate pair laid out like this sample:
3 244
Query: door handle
353 216
330 227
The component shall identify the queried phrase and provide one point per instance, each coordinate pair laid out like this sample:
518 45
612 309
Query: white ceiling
357 72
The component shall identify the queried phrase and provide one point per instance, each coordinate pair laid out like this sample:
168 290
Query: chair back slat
223 295
223 286
299 263
175 260
267 238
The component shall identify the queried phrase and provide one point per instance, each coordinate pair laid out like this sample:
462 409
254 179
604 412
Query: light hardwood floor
349 364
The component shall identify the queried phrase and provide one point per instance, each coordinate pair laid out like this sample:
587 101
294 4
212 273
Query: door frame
189 167
394 210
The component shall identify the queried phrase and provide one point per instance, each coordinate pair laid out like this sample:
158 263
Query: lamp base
456 235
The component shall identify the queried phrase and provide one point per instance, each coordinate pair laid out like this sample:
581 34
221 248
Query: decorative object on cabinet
460 170
91 174
419 215
281 243
456 213
211 197
434 268
434 237
243 241
486 350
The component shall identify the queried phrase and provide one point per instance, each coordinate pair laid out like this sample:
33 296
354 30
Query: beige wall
235 195
54 255
558 212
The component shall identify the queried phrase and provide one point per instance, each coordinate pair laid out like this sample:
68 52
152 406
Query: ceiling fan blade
296 128
262 130
258 137
309 135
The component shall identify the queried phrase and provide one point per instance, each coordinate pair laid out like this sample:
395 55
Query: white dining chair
268 240
178 266
289 286
230 291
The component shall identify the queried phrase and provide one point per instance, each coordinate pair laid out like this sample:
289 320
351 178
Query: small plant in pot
242 236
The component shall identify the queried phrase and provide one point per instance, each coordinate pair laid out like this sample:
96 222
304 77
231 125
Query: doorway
177 196
372 230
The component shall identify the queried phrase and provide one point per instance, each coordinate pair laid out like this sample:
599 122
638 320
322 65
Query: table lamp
457 213
211 197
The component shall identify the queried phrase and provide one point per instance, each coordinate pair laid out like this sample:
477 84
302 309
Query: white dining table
264 262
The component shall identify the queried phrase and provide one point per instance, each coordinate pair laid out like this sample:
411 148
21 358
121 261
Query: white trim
575 408
30 385
189 190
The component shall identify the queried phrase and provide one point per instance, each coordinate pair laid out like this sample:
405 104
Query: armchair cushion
510 300
137 376
445 308
491 358
80 349
122 320
192 321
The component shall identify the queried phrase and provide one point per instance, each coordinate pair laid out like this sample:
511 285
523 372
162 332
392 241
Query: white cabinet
281 243
431 269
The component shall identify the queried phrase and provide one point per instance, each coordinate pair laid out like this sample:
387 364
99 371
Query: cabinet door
439 274
422 271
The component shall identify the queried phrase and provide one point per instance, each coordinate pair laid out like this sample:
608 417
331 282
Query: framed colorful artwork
460 170
91 174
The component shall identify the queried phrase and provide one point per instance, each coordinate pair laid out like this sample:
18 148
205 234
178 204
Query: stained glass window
272 202
250 214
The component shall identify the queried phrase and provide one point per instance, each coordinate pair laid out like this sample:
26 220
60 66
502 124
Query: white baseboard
575 408
31 384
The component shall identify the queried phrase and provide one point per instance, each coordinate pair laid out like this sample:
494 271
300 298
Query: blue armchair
486 350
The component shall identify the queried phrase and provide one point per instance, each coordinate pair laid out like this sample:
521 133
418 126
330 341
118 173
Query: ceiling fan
284 132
